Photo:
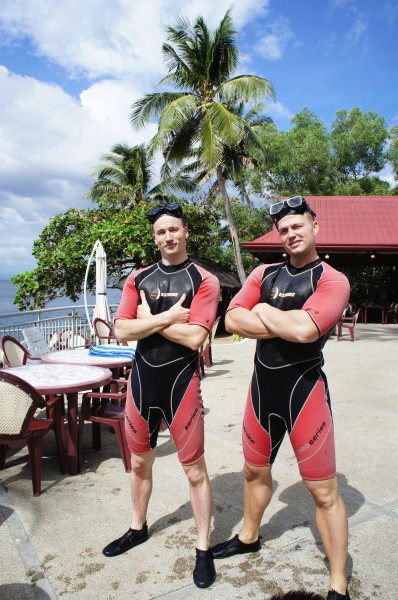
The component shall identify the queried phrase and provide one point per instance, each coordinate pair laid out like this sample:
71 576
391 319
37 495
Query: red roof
347 224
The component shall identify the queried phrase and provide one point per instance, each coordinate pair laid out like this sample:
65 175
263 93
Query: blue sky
70 70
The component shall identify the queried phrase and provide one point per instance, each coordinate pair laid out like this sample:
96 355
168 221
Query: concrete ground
50 547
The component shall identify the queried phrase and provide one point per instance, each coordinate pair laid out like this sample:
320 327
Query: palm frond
180 73
107 172
247 88
178 112
211 143
229 126
225 54
151 105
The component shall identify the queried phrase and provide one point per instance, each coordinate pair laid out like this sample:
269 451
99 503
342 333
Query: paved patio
50 547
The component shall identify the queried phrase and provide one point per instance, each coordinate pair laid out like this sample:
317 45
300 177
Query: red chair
347 322
14 353
205 352
392 313
106 408
19 402
104 332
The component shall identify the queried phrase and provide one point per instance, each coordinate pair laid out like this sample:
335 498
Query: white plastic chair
35 341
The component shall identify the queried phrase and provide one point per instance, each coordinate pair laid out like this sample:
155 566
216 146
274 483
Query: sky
70 71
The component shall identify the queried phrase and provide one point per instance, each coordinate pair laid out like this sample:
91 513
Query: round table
54 379
80 356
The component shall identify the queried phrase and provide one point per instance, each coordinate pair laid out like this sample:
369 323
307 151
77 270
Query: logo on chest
156 294
275 293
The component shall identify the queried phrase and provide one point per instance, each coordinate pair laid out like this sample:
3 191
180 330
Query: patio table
80 356
54 379
377 307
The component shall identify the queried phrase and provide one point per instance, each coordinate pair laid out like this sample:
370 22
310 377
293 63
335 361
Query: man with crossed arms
289 308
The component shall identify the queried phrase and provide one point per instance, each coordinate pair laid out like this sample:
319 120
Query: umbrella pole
85 286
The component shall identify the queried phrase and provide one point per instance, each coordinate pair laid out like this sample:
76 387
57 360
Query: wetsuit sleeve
204 305
128 305
250 294
327 303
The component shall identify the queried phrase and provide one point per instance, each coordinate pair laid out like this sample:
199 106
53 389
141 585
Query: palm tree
198 120
238 159
125 179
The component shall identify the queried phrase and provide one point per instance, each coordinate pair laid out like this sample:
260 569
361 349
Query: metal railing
64 321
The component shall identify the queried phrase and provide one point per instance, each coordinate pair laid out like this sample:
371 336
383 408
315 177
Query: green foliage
367 186
358 140
65 244
124 179
309 159
297 161
392 152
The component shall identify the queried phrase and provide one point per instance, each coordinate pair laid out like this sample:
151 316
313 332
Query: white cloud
357 31
96 37
49 140
279 112
272 45
387 174
49 143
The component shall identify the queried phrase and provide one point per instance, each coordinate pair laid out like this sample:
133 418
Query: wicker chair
19 402
16 355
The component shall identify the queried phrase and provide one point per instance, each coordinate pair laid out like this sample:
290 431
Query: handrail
68 318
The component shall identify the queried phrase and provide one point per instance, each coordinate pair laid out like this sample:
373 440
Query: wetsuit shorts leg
295 399
170 392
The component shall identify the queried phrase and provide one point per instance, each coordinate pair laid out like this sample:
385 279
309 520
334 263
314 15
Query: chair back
356 315
104 332
35 341
18 404
214 329
14 354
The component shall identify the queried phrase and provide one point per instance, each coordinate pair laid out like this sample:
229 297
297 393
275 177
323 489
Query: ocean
8 290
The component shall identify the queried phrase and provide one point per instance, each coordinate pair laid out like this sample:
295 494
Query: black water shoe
204 573
235 546
333 595
132 538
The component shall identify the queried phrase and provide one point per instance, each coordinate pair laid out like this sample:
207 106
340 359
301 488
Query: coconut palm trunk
231 225
245 196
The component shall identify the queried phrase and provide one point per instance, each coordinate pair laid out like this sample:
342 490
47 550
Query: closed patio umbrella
101 308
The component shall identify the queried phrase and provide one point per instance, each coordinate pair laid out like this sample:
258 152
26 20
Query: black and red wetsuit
164 382
289 390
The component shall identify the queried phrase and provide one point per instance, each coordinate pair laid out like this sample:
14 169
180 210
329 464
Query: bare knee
252 474
326 494
196 473
141 465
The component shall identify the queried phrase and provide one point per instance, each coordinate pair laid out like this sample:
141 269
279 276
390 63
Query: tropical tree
198 121
239 160
393 150
298 161
358 140
125 177
124 180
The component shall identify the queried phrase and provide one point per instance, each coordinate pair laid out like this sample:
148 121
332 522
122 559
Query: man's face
171 236
297 234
